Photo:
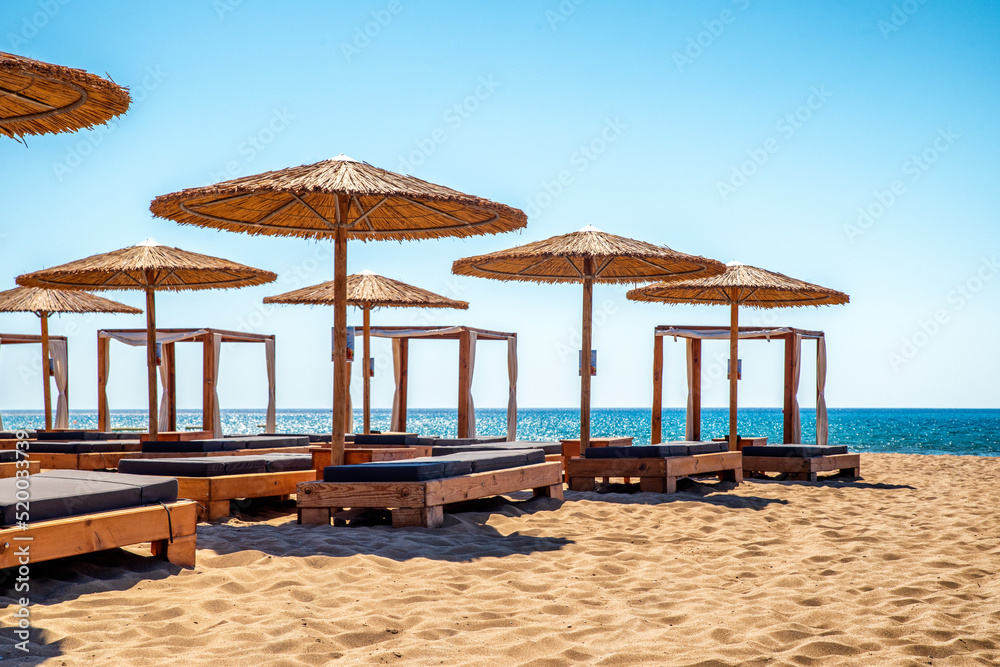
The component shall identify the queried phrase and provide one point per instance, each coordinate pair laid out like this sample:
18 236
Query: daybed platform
658 467
213 481
801 462
73 512
417 490
11 461
105 455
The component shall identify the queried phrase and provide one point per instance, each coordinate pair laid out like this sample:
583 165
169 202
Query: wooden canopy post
464 388
46 369
656 421
366 370
103 348
734 339
404 362
154 427
339 334
588 305
208 384
786 430
169 361
695 344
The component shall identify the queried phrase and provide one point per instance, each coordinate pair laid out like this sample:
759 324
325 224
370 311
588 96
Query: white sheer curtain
471 403
822 422
512 391
163 419
270 421
397 374
60 370
689 424
796 373
216 411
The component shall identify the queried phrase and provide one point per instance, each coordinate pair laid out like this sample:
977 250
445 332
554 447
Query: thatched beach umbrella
368 290
39 98
43 302
744 285
588 256
149 267
339 198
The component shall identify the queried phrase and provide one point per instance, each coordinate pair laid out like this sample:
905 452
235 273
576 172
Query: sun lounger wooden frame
804 469
9 469
86 533
214 493
656 475
422 503
109 460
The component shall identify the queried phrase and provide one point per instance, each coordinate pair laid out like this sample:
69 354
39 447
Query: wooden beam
586 331
103 348
734 319
656 422
169 358
365 371
464 352
337 429
404 360
154 427
208 385
787 409
696 388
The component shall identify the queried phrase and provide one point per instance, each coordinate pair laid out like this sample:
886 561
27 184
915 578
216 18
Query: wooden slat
87 533
650 467
10 469
812 464
361 494
259 485
497 482
683 466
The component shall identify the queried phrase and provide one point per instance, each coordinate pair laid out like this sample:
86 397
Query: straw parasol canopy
43 302
149 267
368 290
740 285
587 256
39 98
340 198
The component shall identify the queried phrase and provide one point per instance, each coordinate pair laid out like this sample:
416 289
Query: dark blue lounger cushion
637 452
483 461
213 466
8 455
61 493
414 470
276 441
43 447
545 446
183 446
707 447
385 439
795 451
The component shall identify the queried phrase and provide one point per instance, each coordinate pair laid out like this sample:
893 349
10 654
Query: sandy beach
899 568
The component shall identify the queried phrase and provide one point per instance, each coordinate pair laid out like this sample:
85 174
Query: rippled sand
897 569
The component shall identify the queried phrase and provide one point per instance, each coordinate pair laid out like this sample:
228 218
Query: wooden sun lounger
656 475
10 468
86 533
422 503
214 493
109 460
804 469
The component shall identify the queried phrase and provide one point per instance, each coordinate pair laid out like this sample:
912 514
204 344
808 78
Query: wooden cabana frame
60 348
207 337
466 363
694 335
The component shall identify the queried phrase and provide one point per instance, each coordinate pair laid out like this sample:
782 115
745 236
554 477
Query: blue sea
906 431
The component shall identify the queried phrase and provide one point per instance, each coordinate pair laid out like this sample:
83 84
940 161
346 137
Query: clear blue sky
850 144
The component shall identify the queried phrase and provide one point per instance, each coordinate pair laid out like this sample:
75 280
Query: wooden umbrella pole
154 408
365 371
339 337
46 389
588 302
734 339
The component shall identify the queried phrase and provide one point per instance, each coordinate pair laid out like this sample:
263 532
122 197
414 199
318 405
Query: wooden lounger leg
581 483
670 484
424 517
850 472
652 484
731 475
315 516
802 476
179 552
553 491
216 509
